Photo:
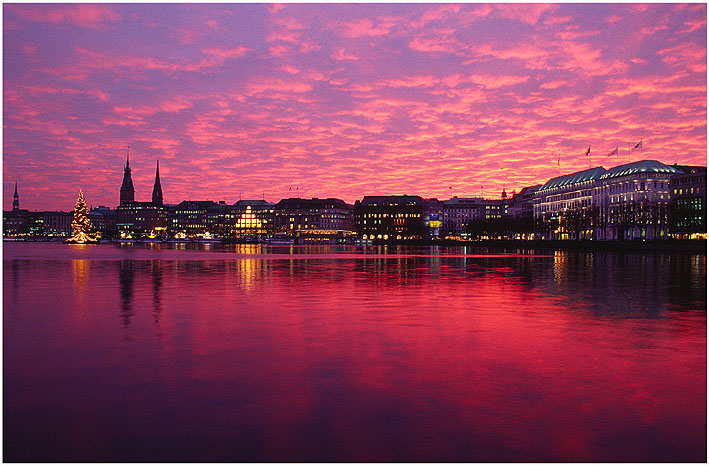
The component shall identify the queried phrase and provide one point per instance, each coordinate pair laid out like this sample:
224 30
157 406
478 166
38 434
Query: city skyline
343 101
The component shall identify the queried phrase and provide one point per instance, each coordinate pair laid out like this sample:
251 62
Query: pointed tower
157 189
127 191
15 199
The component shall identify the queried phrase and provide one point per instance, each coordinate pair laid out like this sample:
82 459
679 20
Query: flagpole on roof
629 151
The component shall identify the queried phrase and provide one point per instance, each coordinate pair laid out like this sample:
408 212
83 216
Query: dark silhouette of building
102 218
15 199
521 212
127 191
157 189
58 223
133 216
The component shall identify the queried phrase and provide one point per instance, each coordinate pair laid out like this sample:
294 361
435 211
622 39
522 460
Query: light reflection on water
252 353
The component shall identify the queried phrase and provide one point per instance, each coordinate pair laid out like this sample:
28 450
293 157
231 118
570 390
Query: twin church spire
127 190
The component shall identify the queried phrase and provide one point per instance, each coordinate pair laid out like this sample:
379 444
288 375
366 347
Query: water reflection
126 277
80 269
386 354
157 272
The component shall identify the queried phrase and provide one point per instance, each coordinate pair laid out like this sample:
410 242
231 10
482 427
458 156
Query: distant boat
280 239
87 241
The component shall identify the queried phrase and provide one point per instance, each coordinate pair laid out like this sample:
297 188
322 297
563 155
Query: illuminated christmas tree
81 224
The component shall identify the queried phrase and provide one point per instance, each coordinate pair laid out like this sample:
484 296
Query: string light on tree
81 224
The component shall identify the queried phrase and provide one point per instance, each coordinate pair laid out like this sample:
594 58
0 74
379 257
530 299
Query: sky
272 101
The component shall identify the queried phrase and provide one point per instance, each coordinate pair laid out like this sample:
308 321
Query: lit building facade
22 222
390 217
294 214
220 218
433 215
634 201
59 223
623 203
688 203
253 219
140 217
495 209
563 206
191 218
458 212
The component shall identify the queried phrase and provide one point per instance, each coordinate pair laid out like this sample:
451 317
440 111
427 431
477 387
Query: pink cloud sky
341 100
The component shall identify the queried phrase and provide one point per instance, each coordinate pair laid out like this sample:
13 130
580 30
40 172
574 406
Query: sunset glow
333 100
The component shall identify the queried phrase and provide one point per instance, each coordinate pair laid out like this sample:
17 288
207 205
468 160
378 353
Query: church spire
157 189
127 191
15 199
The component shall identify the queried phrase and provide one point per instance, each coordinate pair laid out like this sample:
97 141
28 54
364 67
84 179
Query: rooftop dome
643 166
578 177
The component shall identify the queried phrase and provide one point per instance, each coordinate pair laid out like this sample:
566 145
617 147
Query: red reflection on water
377 359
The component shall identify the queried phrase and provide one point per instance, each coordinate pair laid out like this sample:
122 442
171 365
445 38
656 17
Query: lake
159 352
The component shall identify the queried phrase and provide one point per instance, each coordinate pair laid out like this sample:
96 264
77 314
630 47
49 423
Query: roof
314 203
529 189
467 201
643 166
253 203
391 200
690 169
578 177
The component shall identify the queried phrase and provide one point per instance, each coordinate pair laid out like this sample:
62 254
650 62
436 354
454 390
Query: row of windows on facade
692 190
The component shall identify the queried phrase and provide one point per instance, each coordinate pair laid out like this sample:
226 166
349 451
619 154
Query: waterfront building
626 202
253 218
191 217
688 203
220 219
433 214
389 217
635 198
521 212
22 222
295 214
564 206
137 217
102 218
58 223
140 217
496 209
458 212
489 220
522 205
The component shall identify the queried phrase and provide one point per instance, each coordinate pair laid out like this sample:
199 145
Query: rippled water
248 353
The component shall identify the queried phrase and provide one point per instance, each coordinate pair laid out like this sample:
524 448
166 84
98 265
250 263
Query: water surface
140 352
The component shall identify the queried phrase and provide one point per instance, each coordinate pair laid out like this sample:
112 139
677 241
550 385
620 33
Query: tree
81 224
